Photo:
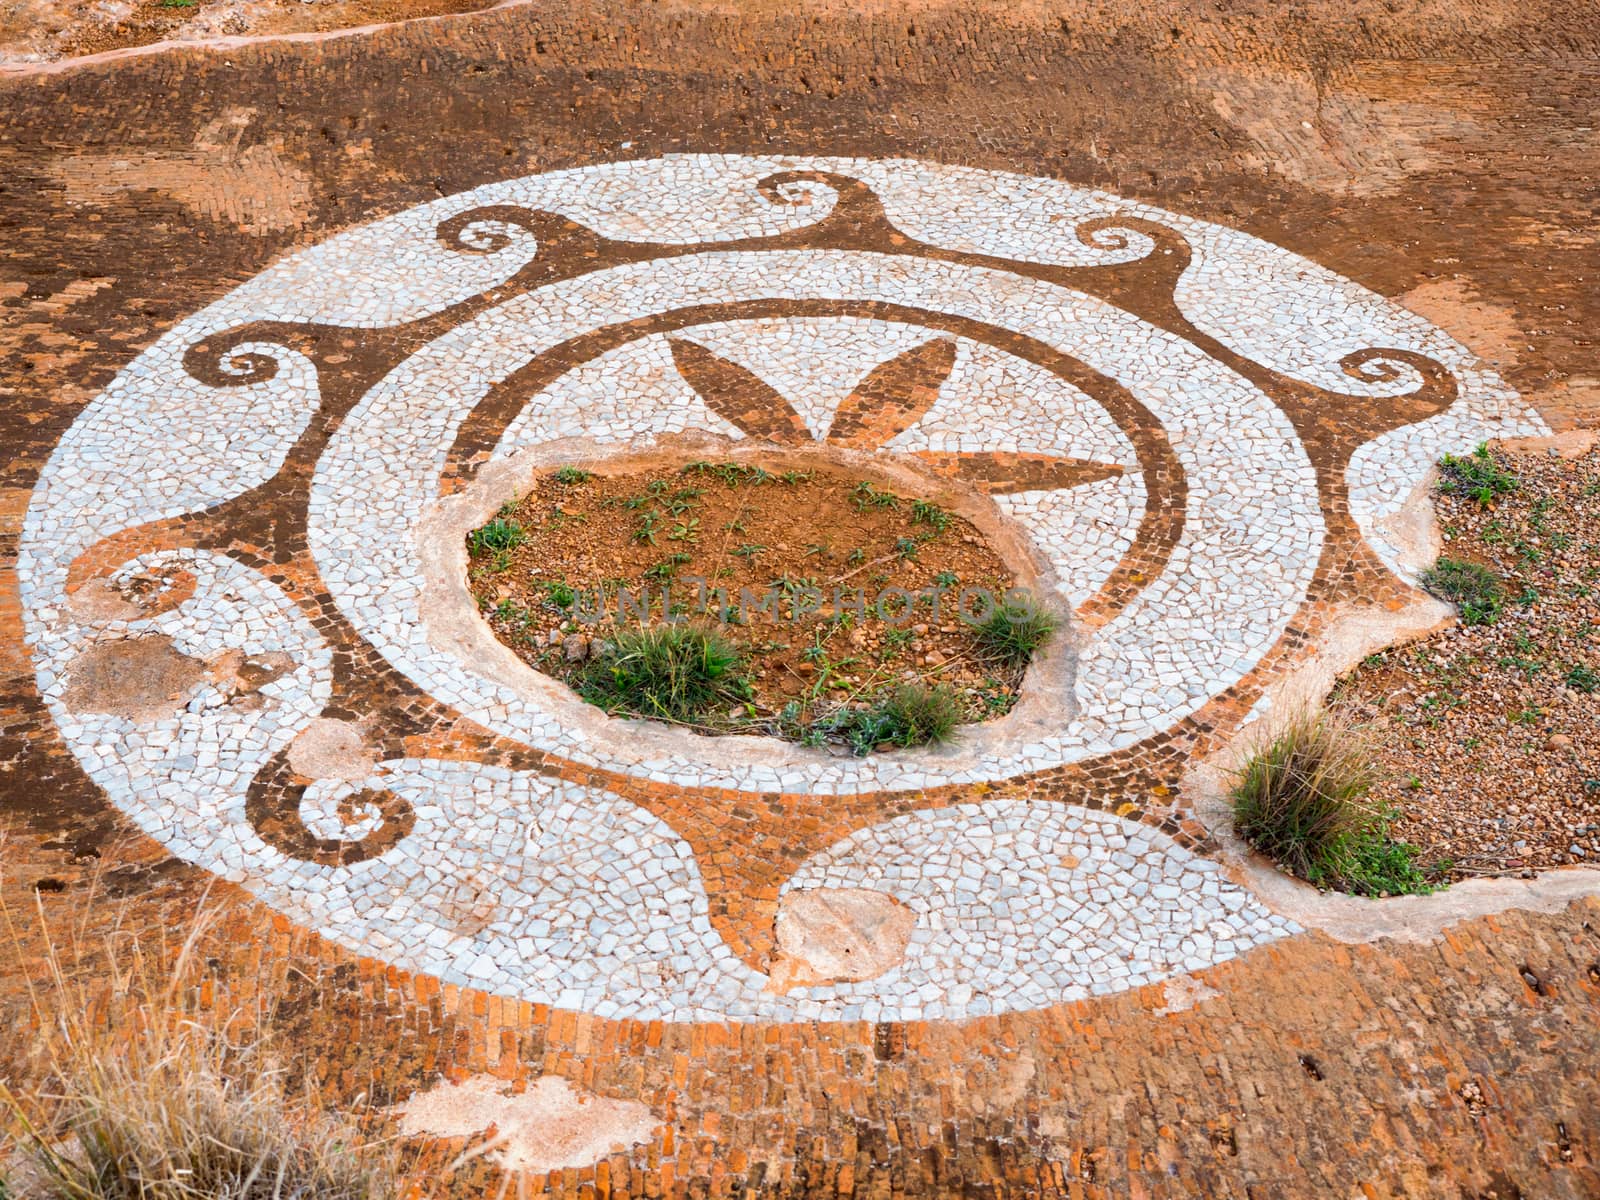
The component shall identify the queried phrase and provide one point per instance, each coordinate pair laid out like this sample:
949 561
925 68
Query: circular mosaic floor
242 570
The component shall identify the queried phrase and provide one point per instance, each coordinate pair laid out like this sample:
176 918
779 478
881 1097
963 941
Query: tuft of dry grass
1300 800
142 1090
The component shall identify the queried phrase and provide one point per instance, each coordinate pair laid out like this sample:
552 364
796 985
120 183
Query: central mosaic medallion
1200 438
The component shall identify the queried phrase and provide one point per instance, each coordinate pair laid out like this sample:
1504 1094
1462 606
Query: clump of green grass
864 496
1016 630
680 673
924 513
1476 475
1474 589
498 536
1299 800
733 474
571 475
913 714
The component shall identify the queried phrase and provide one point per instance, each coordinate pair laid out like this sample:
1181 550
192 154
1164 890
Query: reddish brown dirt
50 30
785 530
1490 734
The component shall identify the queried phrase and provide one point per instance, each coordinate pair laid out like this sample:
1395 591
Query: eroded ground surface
45 31
239 652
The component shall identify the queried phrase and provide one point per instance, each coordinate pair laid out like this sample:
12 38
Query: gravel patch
1489 734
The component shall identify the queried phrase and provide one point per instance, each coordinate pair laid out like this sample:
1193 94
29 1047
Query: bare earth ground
813 528
1491 733
33 31
1441 154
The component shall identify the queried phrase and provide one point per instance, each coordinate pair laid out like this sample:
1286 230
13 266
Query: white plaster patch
550 1126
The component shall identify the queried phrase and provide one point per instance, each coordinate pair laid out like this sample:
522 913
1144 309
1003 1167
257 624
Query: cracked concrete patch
551 1126
1182 993
332 749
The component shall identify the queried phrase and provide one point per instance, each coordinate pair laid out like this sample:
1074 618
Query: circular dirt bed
841 597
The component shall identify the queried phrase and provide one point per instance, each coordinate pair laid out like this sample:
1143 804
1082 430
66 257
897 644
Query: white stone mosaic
1126 907
1083 532
1249 548
183 778
812 362
571 896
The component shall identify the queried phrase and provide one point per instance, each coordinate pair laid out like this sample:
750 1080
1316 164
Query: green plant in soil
922 512
682 673
647 527
667 568
511 613
498 536
913 714
1299 800
1583 679
560 594
1474 589
572 475
867 497
1016 631
1476 475
894 641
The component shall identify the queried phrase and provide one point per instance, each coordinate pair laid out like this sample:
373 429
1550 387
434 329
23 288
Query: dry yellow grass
139 1088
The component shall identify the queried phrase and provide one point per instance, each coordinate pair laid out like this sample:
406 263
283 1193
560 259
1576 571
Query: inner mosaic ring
1159 526
1159 659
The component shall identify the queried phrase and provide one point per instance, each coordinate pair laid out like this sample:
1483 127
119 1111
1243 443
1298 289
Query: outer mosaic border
1275 320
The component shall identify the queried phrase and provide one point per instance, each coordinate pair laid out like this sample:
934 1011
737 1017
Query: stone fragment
832 935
